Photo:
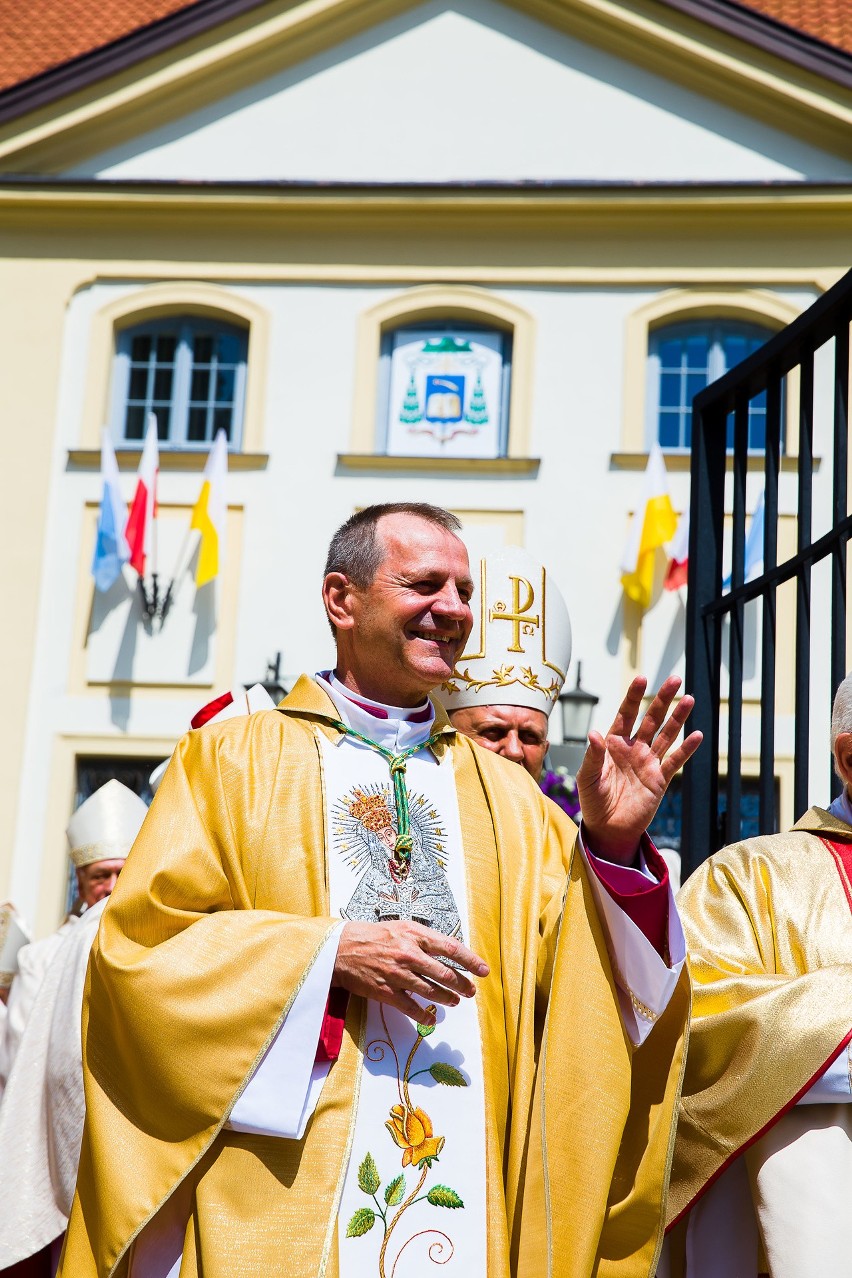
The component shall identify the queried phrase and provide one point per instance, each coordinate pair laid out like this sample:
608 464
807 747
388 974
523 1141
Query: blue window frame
684 358
190 372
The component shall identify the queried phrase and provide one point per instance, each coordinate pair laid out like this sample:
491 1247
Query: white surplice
41 1116
33 962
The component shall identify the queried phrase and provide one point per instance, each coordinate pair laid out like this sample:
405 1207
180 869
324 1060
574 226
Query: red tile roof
40 35
826 20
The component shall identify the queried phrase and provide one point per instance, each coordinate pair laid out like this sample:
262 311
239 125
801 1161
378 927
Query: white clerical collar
394 727
842 807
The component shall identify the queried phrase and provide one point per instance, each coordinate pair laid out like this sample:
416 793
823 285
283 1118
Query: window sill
170 459
482 465
681 462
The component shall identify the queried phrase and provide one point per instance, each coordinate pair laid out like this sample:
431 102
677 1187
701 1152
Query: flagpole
178 571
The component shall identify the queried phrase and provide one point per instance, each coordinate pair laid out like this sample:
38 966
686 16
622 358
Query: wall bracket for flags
155 607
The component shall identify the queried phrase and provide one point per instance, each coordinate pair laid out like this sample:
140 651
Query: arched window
190 371
443 389
685 357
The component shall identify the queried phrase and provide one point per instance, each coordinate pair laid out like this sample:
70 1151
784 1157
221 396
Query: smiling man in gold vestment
764 1148
241 1123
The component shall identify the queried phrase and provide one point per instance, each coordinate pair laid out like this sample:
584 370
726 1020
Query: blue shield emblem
444 398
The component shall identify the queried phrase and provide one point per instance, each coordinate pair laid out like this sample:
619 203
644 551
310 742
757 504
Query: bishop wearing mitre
41 1114
354 1009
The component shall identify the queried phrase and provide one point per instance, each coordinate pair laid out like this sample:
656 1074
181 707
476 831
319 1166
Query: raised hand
624 776
391 961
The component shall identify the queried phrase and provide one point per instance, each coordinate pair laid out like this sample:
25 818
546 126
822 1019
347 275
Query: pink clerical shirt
645 902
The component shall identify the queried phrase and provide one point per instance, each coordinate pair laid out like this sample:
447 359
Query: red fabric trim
333 1022
373 711
842 856
206 713
645 903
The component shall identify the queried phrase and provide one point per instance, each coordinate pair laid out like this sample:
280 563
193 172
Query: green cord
404 843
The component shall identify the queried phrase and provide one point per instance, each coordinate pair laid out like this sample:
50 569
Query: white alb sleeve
834 1085
645 983
283 1092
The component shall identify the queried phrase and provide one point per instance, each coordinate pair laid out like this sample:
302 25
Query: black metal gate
765 373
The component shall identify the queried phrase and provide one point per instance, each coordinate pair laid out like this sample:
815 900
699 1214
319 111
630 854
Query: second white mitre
520 645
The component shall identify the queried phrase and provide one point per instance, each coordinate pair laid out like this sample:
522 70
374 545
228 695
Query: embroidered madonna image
392 887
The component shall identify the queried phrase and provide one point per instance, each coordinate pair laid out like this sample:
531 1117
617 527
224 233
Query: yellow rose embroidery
412 1131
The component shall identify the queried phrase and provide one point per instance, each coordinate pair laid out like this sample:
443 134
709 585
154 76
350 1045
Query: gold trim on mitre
105 827
521 653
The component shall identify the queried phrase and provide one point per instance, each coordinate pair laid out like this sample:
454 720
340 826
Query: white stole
421 1094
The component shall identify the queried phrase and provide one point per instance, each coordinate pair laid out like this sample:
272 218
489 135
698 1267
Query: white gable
473 91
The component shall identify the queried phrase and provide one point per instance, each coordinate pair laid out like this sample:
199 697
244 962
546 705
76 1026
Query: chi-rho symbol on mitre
520 646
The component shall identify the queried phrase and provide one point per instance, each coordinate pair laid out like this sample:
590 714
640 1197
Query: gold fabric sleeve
769 939
193 973
602 1127
588 1149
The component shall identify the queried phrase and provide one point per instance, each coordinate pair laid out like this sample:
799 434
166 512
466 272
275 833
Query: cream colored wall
33 296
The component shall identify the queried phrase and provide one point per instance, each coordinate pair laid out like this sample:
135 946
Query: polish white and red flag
678 569
139 532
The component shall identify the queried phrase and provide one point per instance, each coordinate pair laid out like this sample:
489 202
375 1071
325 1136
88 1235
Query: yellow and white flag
210 513
653 524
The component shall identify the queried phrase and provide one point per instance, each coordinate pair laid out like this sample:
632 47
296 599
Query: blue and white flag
111 548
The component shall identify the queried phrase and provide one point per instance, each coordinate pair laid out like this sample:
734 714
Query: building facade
470 253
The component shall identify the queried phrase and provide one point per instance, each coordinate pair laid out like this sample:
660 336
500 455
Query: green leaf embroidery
425 1030
394 1191
368 1176
443 1196
447 1074
361 1223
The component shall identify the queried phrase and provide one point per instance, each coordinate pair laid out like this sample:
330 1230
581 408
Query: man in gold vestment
226 911
763 1159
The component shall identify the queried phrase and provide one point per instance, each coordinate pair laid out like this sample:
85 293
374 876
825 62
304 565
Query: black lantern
577 709
272 683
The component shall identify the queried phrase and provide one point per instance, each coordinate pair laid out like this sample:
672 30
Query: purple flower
561 787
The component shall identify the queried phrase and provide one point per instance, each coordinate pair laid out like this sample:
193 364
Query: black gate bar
708 607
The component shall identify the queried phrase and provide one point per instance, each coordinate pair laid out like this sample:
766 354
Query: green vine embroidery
410 1128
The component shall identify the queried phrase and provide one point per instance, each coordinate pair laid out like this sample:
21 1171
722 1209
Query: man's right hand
391 961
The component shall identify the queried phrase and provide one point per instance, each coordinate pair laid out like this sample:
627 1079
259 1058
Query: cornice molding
772 37
368 206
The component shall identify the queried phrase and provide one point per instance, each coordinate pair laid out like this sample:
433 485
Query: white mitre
520 646
105 826
241 702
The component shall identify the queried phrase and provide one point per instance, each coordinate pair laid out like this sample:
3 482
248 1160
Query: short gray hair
355 550
841 712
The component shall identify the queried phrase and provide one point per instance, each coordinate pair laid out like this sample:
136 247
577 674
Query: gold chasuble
768 926
218 916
